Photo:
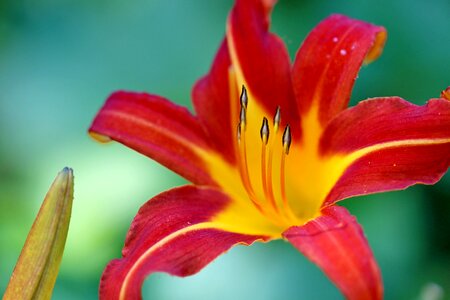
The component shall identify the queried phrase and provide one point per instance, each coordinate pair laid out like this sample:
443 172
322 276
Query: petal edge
336 243
328 61
171 233
157 128
388 144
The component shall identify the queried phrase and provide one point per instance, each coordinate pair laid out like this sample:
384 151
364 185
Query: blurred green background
59 60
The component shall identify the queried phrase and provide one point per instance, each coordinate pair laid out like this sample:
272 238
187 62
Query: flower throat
274 206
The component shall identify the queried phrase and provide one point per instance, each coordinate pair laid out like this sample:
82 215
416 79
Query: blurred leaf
37 268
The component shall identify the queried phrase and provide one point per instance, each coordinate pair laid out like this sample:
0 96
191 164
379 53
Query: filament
287 139
243 166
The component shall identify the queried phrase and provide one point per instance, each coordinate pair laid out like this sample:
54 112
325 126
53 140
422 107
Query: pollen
244 97
287 139
265 131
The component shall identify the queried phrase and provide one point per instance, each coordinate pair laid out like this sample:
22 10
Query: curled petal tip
268 5
446 93
377 47
99 137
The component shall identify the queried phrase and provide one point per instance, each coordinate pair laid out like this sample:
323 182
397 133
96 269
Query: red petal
411 144
171 234
336 243
381 120
211 99
157 128
328 62
392 169
262 57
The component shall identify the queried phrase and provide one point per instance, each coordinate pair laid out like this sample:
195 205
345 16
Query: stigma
268 195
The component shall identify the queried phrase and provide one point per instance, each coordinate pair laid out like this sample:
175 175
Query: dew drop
335 39
343 52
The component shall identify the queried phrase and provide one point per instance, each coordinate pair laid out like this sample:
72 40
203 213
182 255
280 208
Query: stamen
265 131
243 165
264 174
283 181
287 139
244 169
239 133
272 210
276 125
244 97
243 118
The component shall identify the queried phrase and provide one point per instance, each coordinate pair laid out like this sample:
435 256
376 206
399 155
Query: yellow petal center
274 184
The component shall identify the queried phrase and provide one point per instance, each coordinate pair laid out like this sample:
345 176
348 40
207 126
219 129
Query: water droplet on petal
343 52
335 39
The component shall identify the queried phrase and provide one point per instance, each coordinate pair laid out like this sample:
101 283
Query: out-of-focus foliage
60 59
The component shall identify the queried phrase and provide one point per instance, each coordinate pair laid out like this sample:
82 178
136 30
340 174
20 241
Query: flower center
273 205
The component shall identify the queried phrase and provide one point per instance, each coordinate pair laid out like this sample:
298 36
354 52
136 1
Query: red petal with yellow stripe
171 233
329 60
157 128
336 243
261 59
390 144
259 178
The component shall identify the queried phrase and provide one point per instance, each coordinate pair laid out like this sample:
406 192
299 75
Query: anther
277 118
287 139
244 97
265 131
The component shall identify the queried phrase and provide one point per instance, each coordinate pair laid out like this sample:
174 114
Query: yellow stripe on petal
313 177
142 258
412 142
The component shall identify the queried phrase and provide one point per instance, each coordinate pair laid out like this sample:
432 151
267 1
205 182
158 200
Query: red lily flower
270 150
